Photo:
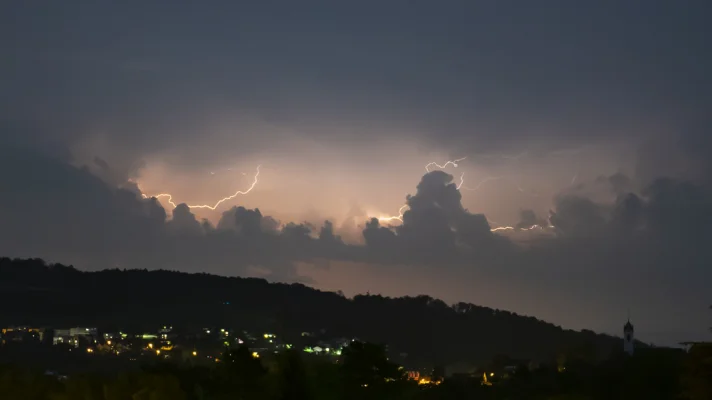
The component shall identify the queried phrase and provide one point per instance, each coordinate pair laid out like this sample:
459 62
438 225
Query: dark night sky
590 119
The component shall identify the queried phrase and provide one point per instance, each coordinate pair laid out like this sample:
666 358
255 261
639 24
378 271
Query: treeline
426 329
364 372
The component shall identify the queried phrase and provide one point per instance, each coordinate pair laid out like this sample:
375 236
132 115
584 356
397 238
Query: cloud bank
593 118
645 250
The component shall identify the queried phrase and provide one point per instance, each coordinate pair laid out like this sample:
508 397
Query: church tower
628 338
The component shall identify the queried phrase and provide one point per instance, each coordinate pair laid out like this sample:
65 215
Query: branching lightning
169 197
462 181
428 167
452 162
482 182
512 228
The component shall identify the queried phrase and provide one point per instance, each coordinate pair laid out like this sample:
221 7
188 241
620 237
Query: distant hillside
429 330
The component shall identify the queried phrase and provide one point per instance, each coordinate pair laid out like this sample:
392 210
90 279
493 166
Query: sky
587 121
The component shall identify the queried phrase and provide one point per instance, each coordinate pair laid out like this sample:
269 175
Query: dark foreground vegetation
426 329
364 372
507 356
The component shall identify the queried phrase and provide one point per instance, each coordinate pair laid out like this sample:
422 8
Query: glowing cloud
217 204
392 218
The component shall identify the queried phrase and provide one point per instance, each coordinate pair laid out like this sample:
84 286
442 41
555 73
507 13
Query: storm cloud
590 122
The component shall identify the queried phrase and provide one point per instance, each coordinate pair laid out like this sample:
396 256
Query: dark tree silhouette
242 366
366 368
293 380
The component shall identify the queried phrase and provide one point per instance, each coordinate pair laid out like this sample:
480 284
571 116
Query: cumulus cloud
246 221
184 222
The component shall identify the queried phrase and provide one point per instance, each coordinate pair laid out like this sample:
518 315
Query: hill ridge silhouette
33 292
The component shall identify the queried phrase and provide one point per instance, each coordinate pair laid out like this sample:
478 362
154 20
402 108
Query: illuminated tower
628 338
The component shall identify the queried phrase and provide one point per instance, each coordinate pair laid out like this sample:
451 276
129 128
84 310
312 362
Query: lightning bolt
452 162
217 204
512 228
392 218
482 182
461 184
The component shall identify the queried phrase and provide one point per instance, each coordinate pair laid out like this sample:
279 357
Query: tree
159 387
18 384
698 372
367 364
368 372
697 378
241 373
81 387
241 364
292 375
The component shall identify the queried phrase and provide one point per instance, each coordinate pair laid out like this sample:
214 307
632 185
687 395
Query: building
22 334
73 336
628 338
83 332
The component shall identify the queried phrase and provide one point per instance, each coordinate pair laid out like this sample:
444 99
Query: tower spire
628 336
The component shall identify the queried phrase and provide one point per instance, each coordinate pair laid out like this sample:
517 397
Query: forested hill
33 293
